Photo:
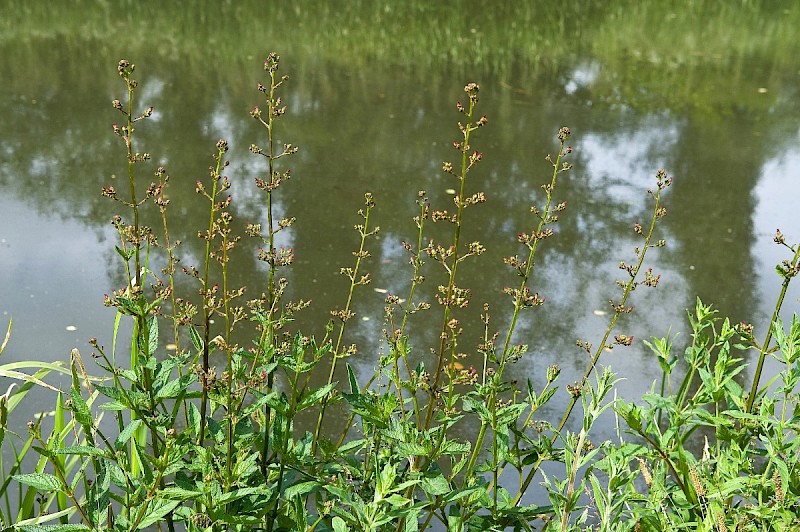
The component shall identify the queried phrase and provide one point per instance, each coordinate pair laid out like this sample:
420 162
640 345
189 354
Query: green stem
765 346
448 302
206 296
619 309
364 232
545 218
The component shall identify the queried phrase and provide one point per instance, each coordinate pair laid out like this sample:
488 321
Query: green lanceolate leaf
242 492
174 388
126 254
80 450
194 419
52 528
354 388
40 481
126 433
315 396
81 410
471 404
156 511
301 489
197 339
435 485
180 494
152 337
112 392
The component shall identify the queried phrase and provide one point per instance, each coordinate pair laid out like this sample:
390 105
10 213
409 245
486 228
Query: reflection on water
735 180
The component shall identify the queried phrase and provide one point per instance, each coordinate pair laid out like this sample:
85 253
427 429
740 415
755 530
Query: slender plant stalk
788 271
267 340
344 315
522 297
449 299
619 309
207 291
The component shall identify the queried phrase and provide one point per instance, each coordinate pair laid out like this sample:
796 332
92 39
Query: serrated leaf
52 528
80 450
40 481
314 397
546 396
437 485
152 329
255 405
510 414
113 406
112 392
474 405
174 388
126 433
460 494
157 510
194 419
81 410
197 340
181 494
300 489
242 492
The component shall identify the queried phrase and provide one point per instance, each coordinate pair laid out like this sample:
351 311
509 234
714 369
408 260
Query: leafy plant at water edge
209 437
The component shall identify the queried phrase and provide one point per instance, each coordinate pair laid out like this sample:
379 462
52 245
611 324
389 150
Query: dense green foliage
667 52
211 436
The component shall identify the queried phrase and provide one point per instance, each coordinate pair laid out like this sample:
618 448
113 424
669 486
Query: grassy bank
671 52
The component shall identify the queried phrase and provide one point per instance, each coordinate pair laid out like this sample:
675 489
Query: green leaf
339 525
437 485
113 406
457 495
386 479
194 419
152 329
128 306
81 410
126 434
261 400
474 405
354 388
157 510
52 528
242 492
112 392
175 387
300 489
314 397
277 402
125 254
80 450
197 340
181 494
40 481
510 414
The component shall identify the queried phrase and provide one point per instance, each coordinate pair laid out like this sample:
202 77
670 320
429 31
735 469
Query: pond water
735 163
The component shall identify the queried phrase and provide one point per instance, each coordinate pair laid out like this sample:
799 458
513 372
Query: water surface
387 129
